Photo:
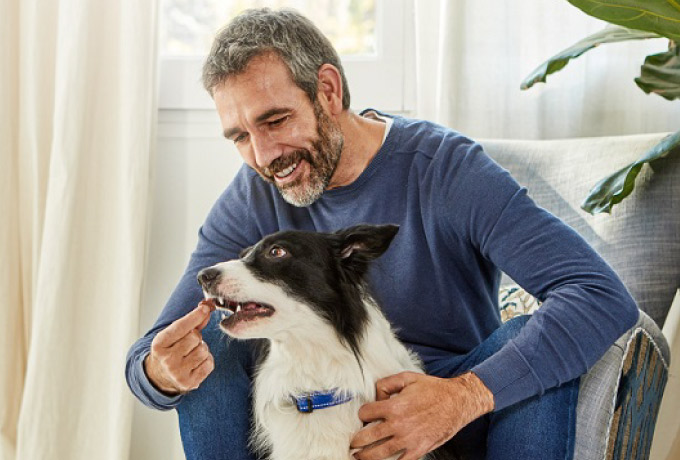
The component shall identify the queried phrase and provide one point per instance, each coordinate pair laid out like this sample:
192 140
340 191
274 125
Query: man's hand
179 360
423 414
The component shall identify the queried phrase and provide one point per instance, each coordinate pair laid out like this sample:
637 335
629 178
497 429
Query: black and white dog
328 341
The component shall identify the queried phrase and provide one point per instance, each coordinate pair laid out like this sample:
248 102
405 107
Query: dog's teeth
238 308
220 300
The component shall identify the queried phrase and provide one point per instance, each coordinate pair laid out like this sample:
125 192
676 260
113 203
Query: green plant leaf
661 74
658 16
613 189
610 34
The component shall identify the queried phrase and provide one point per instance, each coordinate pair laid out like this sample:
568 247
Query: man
503 391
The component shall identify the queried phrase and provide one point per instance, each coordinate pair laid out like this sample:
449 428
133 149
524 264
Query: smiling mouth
283 171
289 176
286 172
234 312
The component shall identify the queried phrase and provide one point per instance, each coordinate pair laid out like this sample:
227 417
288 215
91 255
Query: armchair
620 396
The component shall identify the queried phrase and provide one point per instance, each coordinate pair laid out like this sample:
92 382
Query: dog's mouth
234 312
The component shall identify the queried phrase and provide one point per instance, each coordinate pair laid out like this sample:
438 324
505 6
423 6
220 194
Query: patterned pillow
515 301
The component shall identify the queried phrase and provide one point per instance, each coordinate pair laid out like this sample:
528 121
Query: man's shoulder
428 138
437 151
446 159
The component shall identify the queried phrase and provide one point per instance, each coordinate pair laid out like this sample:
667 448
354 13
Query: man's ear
363 243
330 88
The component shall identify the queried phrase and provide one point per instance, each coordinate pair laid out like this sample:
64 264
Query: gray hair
293 37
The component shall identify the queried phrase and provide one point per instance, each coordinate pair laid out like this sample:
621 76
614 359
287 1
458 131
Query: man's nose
208 277
265 150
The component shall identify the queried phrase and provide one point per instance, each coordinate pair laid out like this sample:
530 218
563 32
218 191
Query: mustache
282 163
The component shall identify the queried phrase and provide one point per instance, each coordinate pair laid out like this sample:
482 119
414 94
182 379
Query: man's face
289 141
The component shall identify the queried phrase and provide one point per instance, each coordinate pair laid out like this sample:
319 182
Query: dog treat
209 302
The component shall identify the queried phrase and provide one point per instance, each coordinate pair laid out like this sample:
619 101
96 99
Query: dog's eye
277 252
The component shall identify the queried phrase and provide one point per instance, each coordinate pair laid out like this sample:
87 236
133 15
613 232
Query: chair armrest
619 397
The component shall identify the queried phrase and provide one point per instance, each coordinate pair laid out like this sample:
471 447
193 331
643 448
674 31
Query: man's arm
160 364
171 358
585 307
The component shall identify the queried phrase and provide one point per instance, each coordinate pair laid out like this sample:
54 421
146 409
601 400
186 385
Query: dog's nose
208 277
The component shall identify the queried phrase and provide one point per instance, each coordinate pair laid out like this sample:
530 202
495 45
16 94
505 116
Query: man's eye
277 252
278 121
240 138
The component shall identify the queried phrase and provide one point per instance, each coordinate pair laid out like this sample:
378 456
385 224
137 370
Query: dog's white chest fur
289 369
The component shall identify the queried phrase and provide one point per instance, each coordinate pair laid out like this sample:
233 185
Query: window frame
377 81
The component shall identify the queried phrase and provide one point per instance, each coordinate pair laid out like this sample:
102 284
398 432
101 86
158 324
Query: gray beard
323 163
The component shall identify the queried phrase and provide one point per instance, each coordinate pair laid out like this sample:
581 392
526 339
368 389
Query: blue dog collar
308 403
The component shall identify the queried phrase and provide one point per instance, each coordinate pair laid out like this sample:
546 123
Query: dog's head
293 283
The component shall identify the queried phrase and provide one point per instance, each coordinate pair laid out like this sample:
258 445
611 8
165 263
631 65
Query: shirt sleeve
227 229
585 307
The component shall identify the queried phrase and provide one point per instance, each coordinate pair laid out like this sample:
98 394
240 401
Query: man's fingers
373 411
370 435
196 356
205 322
379 451
393 384
199 374
184 325
186 344
201 371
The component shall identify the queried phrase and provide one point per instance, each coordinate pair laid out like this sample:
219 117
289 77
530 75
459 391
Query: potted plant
660 74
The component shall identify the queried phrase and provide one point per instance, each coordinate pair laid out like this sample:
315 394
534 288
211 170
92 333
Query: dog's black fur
325 270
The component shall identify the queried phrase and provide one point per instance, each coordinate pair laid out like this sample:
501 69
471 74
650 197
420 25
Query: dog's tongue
250 306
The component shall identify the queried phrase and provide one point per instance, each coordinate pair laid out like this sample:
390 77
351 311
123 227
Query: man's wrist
481 397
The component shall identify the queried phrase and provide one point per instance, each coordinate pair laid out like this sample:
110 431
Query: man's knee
214 419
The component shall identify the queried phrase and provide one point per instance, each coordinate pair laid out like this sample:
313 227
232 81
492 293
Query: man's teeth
287 171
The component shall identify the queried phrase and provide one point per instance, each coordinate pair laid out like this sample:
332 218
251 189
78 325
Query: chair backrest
640 239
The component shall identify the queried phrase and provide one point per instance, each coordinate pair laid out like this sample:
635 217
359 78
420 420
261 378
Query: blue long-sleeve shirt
463 219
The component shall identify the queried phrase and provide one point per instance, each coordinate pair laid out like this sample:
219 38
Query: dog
327 340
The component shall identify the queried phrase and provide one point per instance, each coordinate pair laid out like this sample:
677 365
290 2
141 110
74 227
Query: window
368 34
189 24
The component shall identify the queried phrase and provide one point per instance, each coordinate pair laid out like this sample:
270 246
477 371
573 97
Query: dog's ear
363 243
245 251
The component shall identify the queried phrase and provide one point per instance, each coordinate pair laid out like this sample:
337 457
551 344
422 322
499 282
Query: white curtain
472 55
77 112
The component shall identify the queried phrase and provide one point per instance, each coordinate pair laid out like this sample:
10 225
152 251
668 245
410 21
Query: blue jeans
215 419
